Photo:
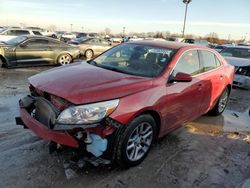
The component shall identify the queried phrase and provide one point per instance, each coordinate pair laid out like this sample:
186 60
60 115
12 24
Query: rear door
213 75
183 99
34 51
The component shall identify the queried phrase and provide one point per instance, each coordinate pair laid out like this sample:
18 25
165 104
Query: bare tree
107 31
52 28
213 38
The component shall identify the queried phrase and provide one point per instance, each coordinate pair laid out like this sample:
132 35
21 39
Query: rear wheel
136 141
64 59
221 103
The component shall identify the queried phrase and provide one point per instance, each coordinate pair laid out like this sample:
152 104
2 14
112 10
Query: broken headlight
85 114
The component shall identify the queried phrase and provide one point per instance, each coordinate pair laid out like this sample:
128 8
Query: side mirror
182 77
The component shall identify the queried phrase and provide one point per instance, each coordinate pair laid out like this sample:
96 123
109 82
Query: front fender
133 105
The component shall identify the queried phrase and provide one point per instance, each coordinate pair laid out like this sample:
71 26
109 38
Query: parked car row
10 33
67 36
90 47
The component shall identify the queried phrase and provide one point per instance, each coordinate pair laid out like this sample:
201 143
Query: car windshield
236 52
135 59
16 40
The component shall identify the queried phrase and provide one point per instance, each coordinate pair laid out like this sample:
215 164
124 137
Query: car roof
165 44
39 37
11 28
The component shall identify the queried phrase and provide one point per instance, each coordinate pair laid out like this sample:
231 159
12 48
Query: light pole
123 31
186 2
71 27
82 28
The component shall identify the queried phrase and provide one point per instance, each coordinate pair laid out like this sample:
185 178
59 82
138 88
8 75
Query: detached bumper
44 132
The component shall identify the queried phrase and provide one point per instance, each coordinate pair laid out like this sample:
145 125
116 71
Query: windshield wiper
92 62
114 69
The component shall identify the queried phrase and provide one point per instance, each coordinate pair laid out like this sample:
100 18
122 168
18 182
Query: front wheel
221 103
64 59
136 141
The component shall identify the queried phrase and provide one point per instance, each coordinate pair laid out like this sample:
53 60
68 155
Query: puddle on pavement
236 124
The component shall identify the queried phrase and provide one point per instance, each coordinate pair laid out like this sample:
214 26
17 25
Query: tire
1 62
89 54
221 104
64 59
136 141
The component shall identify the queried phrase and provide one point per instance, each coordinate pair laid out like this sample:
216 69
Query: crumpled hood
238 62
81 83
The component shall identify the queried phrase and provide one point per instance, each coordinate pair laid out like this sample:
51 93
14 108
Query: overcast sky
228 18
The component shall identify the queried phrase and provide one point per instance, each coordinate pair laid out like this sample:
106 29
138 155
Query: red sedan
114 106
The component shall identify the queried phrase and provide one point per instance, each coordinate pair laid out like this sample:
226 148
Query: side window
37 42
22 32
208 60
92 41
11 32
82 35
188 63
53 43
218 63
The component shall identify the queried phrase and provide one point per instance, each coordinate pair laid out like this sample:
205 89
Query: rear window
208 60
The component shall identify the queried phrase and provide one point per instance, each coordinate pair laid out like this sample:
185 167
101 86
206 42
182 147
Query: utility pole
184 24
123 31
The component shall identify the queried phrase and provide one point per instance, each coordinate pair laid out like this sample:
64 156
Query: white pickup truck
9 33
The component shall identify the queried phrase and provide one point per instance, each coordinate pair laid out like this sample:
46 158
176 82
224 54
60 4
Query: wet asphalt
208 152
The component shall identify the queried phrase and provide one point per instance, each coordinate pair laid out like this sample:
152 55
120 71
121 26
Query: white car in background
239 56
10 33
49 33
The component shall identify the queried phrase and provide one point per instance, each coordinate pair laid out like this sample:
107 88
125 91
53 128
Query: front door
183 99
33 52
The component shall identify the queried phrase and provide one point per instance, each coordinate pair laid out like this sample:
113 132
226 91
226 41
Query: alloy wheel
64 59
139 141
89 54
223 101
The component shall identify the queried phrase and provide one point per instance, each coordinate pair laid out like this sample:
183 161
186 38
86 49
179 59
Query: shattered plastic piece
98 145
70 173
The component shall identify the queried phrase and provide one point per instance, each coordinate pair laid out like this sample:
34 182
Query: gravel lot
208 152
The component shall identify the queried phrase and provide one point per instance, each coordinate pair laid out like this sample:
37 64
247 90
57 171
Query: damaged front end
85 127
242 77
